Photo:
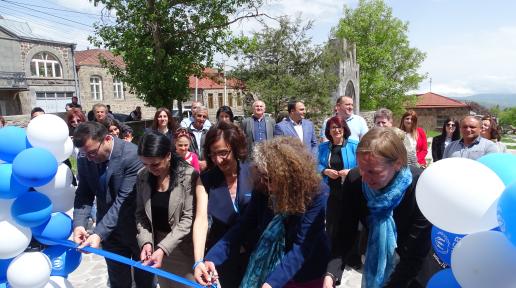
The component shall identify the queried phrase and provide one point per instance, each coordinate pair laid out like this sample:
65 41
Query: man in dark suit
107 170
258 127
296 126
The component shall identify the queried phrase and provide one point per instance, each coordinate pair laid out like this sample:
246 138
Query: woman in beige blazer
164 208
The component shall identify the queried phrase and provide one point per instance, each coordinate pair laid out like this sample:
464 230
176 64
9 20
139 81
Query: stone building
97 85
432 110
34 71
348 72
214 90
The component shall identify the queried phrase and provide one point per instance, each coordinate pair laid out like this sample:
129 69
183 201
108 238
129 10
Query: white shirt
185 123
298 128
356 124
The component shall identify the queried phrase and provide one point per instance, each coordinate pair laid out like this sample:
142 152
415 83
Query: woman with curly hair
288 209
222 195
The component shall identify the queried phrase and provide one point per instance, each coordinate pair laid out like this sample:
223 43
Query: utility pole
430 84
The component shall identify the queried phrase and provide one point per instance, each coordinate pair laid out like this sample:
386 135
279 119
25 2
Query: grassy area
511 147
432 133
74 165
508 140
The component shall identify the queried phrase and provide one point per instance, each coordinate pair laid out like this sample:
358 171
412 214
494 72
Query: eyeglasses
450 125
335 128
222 154
93 154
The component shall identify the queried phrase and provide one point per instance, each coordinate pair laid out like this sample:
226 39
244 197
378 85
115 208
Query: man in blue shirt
357 125
472 145
258 127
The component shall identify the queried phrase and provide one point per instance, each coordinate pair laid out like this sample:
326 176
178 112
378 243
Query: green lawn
432 133
74 165
511 147
508 140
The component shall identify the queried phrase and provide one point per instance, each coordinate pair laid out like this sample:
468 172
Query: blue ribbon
130 262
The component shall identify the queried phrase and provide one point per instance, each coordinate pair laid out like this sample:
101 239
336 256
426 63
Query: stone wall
123 106
433 118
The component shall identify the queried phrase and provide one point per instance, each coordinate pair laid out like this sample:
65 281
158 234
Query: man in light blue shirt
185 123
472 145
357 125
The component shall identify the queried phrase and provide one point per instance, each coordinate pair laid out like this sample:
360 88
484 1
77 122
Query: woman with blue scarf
288 208
380 193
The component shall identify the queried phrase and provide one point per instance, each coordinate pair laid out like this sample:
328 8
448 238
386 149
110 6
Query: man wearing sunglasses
107 169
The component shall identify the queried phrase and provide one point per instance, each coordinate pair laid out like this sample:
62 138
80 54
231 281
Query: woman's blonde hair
287 168
413 129
383 142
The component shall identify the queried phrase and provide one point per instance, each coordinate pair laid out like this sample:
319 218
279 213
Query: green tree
388 65
162 42
508 116
281 63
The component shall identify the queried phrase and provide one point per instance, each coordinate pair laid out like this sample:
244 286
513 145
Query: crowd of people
262 204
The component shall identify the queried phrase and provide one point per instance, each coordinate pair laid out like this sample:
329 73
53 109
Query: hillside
489 100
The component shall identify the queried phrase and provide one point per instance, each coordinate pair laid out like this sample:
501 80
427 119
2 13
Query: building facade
348 72
34 71
97 85
214 91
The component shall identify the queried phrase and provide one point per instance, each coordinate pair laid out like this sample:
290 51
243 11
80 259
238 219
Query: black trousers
120 274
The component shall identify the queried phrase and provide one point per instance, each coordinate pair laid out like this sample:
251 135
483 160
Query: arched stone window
350 90
46 65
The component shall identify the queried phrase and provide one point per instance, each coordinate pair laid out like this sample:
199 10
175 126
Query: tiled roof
214 79
91 57
433 100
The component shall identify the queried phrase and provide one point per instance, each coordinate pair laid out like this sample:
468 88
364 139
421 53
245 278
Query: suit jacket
180 210
413 230
115 207
286 128
306 243
247 126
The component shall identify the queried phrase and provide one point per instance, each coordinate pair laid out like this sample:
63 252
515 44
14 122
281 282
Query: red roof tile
91 57
433 100
214 79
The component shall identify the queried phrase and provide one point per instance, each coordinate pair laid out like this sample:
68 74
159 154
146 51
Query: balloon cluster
35 190
472 205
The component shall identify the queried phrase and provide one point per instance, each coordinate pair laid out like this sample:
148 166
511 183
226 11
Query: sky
470 45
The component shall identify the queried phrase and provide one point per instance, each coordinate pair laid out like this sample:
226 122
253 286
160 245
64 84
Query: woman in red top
182 143
416 136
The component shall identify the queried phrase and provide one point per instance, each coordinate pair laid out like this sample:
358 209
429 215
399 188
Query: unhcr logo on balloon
442 243
58 263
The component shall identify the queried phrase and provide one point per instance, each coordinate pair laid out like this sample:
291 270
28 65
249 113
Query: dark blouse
336 163
159 208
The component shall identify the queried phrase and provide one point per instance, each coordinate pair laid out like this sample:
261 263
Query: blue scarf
381 244
267 255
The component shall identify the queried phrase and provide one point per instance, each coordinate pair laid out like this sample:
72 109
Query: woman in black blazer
450 132
380 193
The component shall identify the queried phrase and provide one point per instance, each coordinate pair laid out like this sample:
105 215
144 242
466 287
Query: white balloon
47 128
58 282
484 259
61 182
61 151
459 195
29 270
14 239
5 209
62 199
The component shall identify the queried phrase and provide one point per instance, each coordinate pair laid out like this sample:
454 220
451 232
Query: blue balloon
503 164
443 279
13 140
10 188
58 227
34 167
64 260
507 212
31 209
3 285
4 264
443 243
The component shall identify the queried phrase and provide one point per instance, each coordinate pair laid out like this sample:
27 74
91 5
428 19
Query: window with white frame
96 87
44 64
118 89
